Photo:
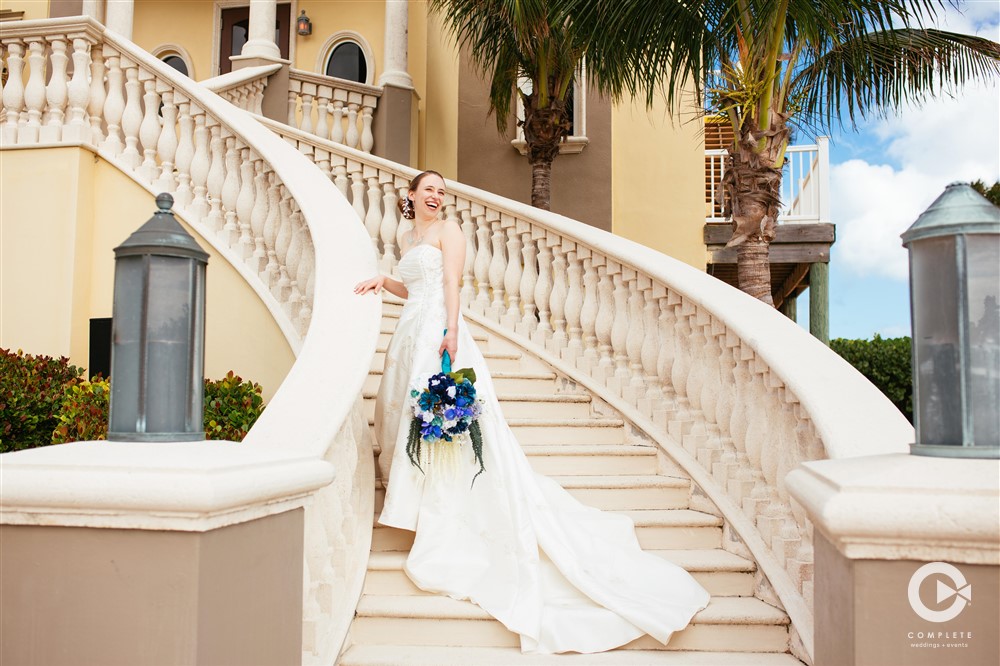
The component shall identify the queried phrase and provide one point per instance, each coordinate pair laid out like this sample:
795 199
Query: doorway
235 23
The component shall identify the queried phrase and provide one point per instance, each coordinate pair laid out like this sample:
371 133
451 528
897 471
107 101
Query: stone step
590 459
622 492
736 624
506 361
526 406
564 432
516 381
656 530
424 655
722 573
386 331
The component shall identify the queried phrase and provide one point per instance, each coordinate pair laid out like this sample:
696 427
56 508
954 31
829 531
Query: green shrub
84 413
886 363
31 392
231 407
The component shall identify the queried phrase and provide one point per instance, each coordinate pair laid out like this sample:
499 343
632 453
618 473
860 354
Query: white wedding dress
566 577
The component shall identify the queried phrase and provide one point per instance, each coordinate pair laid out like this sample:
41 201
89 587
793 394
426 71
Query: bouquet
445 415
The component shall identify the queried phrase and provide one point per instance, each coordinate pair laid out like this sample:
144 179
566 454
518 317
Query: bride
564 576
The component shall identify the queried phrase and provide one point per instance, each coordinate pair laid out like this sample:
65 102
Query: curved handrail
736 392
268 211
243 87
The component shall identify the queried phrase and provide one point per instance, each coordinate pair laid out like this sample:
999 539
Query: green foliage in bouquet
232 406
886 363
31 392
83 415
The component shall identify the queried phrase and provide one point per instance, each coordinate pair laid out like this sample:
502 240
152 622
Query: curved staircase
574 437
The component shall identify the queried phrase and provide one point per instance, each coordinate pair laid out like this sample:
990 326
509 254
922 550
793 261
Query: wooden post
819 301
789 308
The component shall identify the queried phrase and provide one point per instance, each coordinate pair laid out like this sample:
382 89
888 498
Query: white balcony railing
805 184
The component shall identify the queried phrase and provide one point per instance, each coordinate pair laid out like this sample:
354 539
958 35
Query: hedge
886 363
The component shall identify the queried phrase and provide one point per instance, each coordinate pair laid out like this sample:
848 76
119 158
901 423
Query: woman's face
428 197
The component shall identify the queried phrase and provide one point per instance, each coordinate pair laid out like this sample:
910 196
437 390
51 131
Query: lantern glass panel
983 261
936 351
169 343
130 279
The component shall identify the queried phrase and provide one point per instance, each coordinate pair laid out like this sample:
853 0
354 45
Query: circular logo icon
959 590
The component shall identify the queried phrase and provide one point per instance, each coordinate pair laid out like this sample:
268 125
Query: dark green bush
31 392
83 416
886 363
231 407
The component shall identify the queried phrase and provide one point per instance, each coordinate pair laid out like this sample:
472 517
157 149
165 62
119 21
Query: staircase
573 437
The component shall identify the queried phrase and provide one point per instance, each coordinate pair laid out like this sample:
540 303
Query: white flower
428 417
451 391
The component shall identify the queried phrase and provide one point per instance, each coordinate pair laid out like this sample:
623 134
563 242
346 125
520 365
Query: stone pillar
119 17
261 34
907 559
94 9
395 123
819 301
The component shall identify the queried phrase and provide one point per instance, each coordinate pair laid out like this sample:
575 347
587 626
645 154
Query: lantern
303 24
158 333
954 251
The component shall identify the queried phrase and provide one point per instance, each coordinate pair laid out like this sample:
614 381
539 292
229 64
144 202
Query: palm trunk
754 268
541 184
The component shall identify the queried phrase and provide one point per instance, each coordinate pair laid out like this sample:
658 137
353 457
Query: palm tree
522 45
769 66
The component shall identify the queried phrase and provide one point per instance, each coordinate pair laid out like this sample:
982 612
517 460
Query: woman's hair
407 210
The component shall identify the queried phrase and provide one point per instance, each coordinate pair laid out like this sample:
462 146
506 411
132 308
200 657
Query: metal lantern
304 25
158 333
954 290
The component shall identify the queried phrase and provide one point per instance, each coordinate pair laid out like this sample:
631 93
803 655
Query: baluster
367 115
322 110
34 92
166 145
244 203
724 404
340 177
529 280
637 284
665 356
185 151
512 276
543 290
132 117
373 215
389 223
358 193
741 384
305 280
574 304
650 350
271 224
13 90
352 124
682 340
337 128
469 231
557 299
149 128
114 106
98 96
281 287
200 163
230 193
258 215
710 388
322 158
212 193
588 314
308 93
619 332
292 261
604 323
293 97
78 94
481 266
498 266
56 92
696 371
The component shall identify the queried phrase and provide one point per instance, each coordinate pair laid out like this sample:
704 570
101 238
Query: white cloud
952 137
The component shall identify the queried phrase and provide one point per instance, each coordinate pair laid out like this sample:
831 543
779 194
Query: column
819 301
94 9
396 45
119 17
262 19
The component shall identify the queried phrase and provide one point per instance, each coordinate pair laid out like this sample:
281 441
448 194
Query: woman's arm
377 284
453 251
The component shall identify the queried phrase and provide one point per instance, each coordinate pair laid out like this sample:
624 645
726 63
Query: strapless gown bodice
562 575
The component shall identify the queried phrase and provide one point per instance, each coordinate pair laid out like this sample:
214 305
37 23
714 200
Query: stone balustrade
273 216
335 109
243 88
735 392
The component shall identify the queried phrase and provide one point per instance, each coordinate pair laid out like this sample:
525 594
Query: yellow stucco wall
438 121
658 170
332 16
33 9
185 23
62 211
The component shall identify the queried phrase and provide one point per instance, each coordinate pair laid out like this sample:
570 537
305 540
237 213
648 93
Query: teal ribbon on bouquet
445 412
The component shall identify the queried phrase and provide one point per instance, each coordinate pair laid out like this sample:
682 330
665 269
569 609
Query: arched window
176 56
347 61
177 63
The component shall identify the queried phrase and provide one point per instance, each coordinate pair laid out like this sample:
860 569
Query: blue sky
887 173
